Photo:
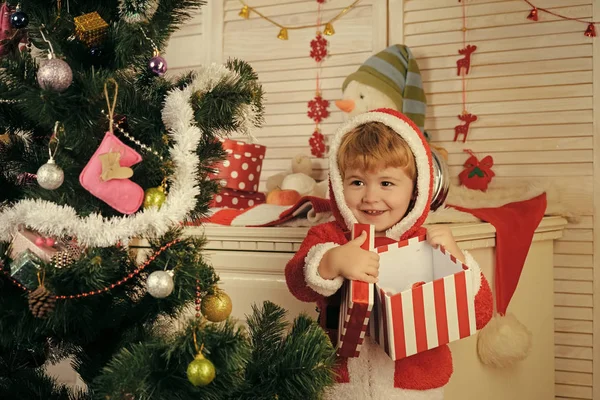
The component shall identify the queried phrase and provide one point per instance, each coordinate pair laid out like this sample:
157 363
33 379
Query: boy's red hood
416 141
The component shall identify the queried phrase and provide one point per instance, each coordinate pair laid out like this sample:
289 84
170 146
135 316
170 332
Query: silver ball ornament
160 284
55 75
50 176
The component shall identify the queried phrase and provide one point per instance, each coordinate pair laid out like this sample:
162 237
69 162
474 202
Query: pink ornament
123 195
5 27
50 242
39 241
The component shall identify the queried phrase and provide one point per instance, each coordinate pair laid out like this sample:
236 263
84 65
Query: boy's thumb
359 240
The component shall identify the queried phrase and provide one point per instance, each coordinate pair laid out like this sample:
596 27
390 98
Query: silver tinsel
50 176
55 74
160 284
135 11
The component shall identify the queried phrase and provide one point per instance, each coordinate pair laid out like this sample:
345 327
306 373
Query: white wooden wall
531 84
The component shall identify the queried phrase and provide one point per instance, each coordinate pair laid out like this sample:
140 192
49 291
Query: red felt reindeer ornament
477 174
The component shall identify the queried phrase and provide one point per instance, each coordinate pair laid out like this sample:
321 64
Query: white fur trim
382 378
325 287
473 266
359 370
97 231
423 163
372 378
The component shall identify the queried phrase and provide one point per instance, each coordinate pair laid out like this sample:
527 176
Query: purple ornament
158 65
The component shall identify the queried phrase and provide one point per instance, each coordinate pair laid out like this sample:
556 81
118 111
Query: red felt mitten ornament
477 174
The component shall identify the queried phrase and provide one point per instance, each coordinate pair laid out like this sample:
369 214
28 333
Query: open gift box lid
424 299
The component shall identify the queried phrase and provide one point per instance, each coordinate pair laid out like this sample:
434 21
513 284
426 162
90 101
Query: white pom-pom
503 341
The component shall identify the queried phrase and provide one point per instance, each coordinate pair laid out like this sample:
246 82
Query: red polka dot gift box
229 198
241 170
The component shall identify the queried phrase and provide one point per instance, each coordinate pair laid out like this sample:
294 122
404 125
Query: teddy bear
298 178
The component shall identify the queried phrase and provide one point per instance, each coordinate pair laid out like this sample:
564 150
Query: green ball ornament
154 197
201 371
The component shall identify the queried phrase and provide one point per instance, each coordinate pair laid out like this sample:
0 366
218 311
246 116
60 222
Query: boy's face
379 198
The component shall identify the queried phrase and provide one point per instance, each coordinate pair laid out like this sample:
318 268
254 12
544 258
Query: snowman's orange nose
345 105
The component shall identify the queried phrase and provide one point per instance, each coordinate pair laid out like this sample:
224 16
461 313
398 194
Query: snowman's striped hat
395 72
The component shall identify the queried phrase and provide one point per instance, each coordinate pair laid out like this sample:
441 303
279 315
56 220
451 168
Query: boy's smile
380 197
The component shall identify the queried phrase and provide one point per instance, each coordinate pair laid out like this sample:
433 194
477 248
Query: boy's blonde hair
375 145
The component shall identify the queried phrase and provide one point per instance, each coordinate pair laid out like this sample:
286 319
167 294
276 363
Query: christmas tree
102 157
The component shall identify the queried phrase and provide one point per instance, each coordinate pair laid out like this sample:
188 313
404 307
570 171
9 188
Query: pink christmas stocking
5 26
107 180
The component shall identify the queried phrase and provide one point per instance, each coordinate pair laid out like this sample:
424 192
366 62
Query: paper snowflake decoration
317 109
318 48
317 144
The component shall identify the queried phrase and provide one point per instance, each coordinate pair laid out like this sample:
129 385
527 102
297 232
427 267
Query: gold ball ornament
154 197
216 307
201 371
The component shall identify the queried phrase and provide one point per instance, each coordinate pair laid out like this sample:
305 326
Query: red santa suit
374 375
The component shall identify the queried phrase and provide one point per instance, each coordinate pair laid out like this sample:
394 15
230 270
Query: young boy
380 174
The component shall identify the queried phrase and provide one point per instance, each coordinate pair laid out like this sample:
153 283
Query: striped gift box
402 317
356 305
408 319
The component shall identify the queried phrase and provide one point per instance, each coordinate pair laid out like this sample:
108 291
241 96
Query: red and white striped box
357 304
241 170
424 299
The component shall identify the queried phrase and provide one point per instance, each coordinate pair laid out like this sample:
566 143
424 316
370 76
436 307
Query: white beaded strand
134 140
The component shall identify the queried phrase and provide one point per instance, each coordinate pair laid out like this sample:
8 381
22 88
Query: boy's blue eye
386 184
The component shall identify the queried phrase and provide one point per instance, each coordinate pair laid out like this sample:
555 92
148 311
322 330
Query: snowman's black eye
362 96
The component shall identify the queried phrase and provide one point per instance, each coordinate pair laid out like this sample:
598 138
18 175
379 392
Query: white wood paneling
187 48
596 224
532 87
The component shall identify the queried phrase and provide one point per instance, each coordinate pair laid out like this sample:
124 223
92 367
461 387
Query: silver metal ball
160 284
55 74
50 176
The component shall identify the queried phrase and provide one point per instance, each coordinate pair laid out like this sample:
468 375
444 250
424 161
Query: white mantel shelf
469 235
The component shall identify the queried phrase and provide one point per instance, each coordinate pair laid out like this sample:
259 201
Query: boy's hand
441 235
351 262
